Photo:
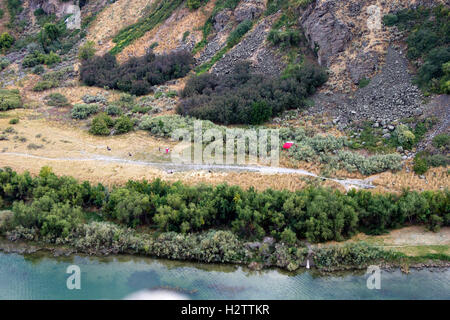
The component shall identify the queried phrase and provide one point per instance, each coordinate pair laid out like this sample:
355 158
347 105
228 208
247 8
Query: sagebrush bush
4 62
98 98
83 111
441 141
113 110
56 100
45 85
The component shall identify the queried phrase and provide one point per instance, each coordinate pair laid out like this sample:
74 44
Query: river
40 276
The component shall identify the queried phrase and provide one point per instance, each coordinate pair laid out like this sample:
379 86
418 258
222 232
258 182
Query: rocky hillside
363 45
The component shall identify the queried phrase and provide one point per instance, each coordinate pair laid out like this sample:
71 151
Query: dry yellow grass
69 149
112 19
169 34
434 179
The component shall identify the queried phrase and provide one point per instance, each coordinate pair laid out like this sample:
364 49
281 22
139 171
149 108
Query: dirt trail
178 167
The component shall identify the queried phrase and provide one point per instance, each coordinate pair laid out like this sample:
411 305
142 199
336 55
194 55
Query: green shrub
363 83
4 63
315 214
138 75
428 43
83 111
59 75
390 20
86 51
6 41
114 110
420 165
404 136
101 124
186 34
56 100
441 141
194 4
352 254
50 32
36 58
288 236
285 38
45 85
123 125
51 58
438 160
38 70
231 99
14 121
10 99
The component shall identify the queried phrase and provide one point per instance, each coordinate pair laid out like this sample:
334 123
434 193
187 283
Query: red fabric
287 145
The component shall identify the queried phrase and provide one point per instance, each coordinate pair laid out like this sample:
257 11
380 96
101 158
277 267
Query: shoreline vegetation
222 224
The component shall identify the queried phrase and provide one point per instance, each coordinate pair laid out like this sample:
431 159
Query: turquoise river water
44 277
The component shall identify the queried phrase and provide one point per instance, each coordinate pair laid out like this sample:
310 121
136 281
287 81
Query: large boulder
327 34
249 10
221 20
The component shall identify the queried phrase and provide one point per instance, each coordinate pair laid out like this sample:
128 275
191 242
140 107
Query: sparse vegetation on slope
160 10
428 44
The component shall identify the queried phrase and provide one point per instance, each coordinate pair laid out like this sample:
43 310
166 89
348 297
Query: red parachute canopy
288 145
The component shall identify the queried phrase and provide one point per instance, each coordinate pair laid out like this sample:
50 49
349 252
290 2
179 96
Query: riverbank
350 256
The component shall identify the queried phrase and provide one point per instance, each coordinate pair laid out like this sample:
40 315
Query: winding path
183 167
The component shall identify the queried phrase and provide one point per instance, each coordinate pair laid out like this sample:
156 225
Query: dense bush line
316 214
137 75
243 97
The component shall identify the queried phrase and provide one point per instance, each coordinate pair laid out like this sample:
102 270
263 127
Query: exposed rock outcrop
249 10
327 34
264 59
